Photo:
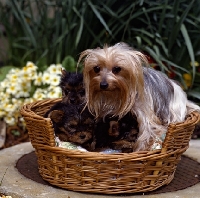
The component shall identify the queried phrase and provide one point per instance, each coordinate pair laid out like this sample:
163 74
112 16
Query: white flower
4 84
59 68
10 108
28 100
12 89
28 72
16 102
38 79
2 113
30 64
39 94
25 92
18 88
4 97
13 77
24 84
46 78
13 71
10 120
54 92
54 69
54 80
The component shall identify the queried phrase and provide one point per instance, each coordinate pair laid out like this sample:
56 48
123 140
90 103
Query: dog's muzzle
103 85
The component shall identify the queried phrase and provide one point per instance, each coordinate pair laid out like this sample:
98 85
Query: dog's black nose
103 85
72 100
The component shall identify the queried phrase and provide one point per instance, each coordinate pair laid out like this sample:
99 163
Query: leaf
19 13
175 65
156 58
194 94
190 50
177 27
98 15
163 15
78 37
69 64
4 70
139 40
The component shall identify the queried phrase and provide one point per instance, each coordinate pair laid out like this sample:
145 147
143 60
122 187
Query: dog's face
72 87
72 126
125 132
113 77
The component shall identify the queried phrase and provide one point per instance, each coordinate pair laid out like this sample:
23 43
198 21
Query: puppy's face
72 87
72 126
73 95
78 130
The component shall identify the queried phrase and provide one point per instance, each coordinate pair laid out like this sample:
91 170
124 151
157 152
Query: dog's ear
64 72
56 115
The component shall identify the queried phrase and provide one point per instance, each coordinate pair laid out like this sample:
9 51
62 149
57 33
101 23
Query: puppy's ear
64 72
56 116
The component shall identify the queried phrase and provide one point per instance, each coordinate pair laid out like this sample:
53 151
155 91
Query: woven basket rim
133 156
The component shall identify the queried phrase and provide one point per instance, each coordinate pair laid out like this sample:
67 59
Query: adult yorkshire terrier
117 82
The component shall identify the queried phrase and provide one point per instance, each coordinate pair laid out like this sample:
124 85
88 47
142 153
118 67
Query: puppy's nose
72 100
103 85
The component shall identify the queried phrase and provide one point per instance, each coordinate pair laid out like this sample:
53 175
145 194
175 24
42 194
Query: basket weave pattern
104 173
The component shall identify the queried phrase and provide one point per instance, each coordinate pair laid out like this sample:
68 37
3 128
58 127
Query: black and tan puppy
124 133
72 87
72 124
116 134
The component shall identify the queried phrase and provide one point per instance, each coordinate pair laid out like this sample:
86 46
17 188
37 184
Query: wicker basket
104 173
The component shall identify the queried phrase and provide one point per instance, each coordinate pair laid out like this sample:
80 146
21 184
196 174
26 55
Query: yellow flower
187 79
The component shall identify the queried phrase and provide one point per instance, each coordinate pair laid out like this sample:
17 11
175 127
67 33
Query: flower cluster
26 85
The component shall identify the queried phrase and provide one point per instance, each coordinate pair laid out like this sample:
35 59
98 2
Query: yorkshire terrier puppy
104 133
116 134
117 80
72 123
71 84
124 133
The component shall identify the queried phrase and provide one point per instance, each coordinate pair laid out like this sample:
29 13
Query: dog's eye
82 92
96 69
66 92
116 70
72 126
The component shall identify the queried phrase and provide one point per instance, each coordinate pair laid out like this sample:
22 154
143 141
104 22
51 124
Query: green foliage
69 64
54 31
3 71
